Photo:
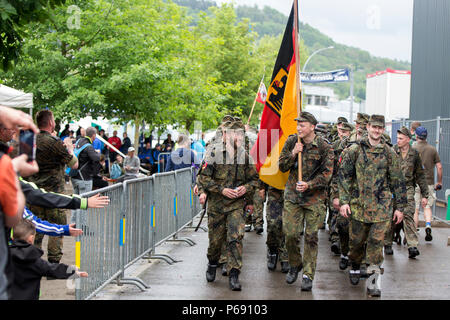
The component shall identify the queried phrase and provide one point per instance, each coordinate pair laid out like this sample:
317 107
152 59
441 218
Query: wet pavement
426 277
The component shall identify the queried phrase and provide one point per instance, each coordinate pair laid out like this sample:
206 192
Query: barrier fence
142 214
439 137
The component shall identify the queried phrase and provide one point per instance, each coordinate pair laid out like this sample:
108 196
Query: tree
14 15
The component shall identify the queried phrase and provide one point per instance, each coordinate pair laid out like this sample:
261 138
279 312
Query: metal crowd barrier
143 213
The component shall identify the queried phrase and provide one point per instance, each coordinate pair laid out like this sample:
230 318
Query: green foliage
145 60
14 15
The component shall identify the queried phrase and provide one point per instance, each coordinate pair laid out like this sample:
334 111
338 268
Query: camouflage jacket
369 177
220 172
338 147
317 166
51 156
412 169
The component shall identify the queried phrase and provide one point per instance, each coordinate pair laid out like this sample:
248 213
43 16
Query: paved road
427 277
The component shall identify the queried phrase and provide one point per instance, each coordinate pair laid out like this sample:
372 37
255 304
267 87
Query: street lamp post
309 58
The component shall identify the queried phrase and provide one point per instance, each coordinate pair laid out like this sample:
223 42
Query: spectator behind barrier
12 201
146 157
183 157
29 267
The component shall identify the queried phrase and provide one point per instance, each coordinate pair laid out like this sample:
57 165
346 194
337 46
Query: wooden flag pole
256 97
298 86
254 103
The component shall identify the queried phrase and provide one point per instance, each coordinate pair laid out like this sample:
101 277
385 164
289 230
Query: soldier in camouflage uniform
52 155
361 122
256 219
228 178
276 245
369 174
198 190
304 201
338 146
413 172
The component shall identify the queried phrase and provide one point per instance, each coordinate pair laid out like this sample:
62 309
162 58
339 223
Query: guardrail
142 214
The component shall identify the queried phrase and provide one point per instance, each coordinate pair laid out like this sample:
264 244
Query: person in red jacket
117 143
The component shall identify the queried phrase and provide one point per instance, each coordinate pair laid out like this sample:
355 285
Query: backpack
73 172
116 172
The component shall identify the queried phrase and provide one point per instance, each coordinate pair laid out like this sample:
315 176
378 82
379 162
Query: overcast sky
382 27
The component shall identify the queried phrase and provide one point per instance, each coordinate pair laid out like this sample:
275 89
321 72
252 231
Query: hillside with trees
270 22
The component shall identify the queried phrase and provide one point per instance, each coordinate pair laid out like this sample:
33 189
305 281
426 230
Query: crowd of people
34 195
31 201
353 179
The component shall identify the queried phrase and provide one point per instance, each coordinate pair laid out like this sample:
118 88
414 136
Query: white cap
130 149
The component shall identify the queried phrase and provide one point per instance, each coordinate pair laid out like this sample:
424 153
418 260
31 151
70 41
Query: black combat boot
388 250
211 272
413 252
259 230
284 266
335 248
234 280
272 259
306 283
292 275
363 270
343 264
355 274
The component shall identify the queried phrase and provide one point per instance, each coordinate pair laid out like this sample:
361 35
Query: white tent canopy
13 98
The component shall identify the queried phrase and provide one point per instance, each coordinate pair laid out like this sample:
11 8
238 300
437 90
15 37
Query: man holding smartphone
52 155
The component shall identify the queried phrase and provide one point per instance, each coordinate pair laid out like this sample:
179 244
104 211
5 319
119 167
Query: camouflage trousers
332 223
226 229
342 226
275 238
409 226
367 239
55 244
257 217
296 217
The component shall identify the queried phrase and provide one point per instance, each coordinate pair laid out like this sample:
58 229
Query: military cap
362 118
341 120
377 120
237 119
227 118
346 126
404 130
307 117
237 125
321 128
227 124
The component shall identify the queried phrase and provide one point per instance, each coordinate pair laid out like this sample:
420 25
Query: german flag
280 110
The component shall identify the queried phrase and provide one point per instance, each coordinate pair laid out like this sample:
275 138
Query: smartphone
27 144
